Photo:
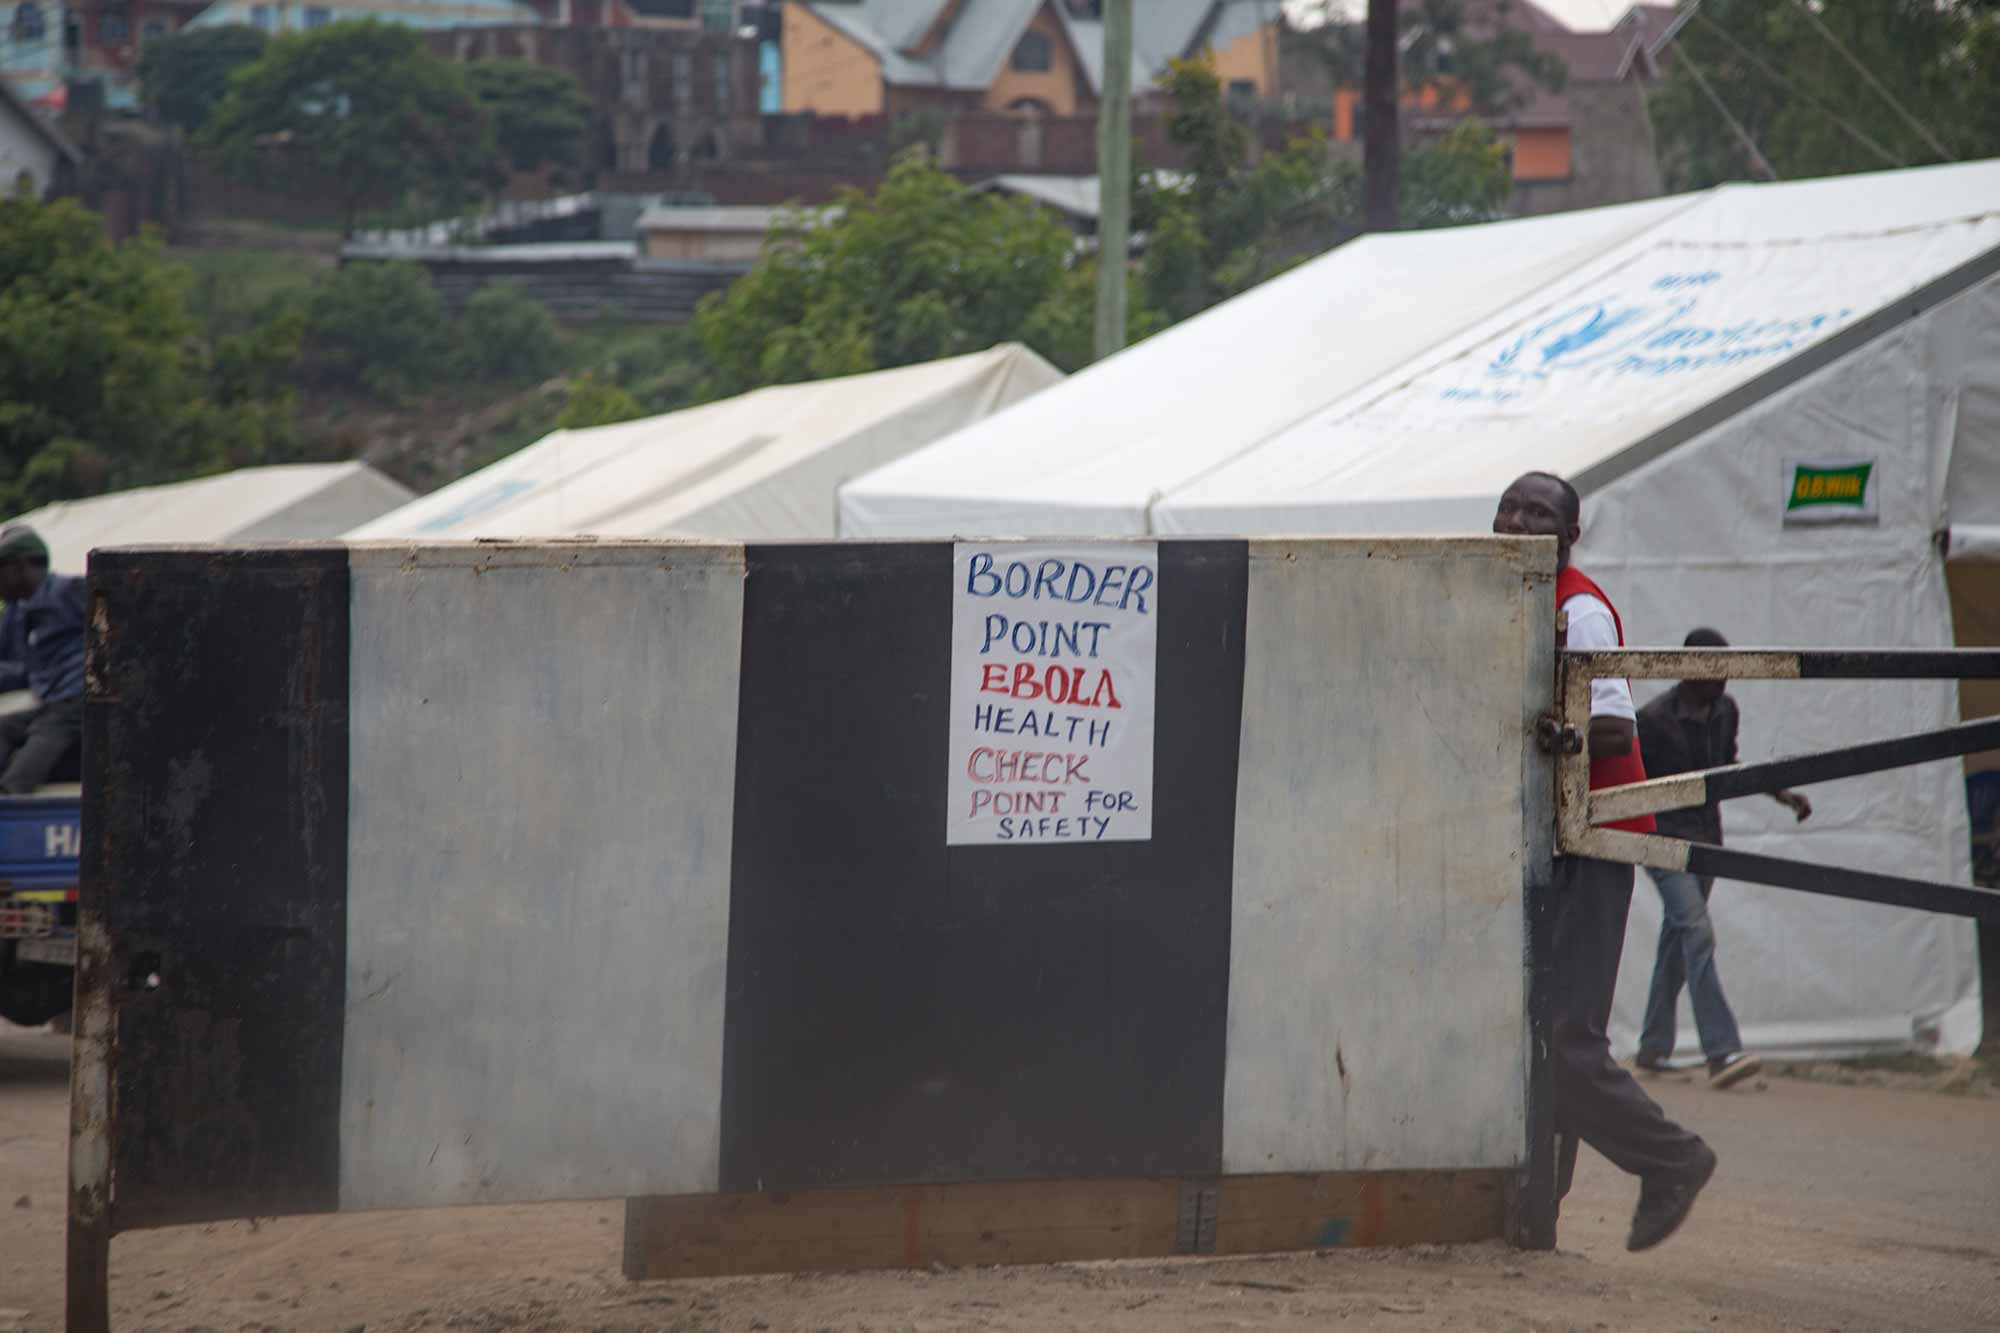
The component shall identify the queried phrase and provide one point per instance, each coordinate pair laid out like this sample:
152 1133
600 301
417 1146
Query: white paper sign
1052 652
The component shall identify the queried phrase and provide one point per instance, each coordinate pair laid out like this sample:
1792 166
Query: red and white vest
1617 769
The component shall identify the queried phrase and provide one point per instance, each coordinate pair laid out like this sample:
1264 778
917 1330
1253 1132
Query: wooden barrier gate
836 905
1580 811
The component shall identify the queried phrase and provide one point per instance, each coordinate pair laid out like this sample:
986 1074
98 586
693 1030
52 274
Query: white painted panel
1377 998
543 758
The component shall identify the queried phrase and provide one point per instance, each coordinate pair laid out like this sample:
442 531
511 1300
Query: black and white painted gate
929 880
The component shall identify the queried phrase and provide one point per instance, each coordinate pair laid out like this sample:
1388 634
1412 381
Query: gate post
87 1303
1531 1193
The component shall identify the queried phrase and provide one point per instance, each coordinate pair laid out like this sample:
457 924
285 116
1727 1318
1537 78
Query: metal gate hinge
1195 1233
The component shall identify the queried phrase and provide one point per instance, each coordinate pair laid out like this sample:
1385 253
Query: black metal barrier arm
1580 811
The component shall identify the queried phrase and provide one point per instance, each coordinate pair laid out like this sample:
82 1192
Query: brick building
670 99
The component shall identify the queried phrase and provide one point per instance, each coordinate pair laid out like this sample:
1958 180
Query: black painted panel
215 825
901 1011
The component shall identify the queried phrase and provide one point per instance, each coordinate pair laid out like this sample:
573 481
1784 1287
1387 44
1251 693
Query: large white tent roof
288 502
766 464
1400 381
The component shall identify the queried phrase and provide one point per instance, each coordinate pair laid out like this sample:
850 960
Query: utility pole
1381 148
1114 177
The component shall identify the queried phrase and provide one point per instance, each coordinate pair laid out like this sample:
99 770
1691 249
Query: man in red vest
1596 1100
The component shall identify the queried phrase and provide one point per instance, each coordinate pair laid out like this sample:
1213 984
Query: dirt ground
1837 1208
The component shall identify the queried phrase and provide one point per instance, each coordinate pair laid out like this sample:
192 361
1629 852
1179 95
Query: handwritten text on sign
1052 653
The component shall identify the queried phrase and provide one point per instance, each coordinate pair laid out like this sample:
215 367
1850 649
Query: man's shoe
1652 1064
1666 1200
1729 1070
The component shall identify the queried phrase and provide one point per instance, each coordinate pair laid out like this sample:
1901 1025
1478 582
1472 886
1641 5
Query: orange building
1027 57
1548 132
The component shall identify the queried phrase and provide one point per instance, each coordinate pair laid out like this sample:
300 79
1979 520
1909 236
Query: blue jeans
1687 956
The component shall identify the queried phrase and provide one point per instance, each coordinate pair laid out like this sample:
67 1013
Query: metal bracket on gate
1195 1233
1580 812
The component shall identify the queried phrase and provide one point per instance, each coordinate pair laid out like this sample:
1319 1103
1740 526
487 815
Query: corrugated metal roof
1239 19
981 39
1087 37
1164 30
536 253
1078 196
424 14
720 217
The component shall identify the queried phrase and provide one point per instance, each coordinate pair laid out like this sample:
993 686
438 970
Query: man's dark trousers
1597 1101
34 741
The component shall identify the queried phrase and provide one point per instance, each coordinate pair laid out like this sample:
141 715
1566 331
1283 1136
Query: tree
1464 177
105 379
1233 218
506 334
923 268
1230 218
539 114
594 402
185 75
361 105
1808 108
380 327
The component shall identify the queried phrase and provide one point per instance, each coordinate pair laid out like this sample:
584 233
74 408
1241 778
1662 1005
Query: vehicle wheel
32 993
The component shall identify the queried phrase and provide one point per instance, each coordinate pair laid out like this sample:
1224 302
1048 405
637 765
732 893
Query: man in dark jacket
41 650
1689 728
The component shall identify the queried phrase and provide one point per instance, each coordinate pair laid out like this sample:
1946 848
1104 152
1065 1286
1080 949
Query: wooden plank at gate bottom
1260 1214
1030 1222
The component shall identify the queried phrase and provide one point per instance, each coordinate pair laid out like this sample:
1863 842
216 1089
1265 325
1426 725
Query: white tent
763 465
1093 454
1681 366
289 502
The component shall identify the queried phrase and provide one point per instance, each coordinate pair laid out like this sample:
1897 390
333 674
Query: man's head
1541 504
24 562
1704 691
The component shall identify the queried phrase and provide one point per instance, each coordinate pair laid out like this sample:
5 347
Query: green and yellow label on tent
1829 492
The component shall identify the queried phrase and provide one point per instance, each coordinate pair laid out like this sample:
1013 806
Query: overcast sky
1582 15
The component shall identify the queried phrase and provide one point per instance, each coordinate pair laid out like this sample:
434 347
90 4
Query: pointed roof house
864 57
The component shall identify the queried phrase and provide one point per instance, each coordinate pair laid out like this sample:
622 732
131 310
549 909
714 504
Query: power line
1875 83
1757 159
1785 83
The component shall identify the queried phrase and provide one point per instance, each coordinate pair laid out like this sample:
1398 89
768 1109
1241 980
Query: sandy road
1836 1208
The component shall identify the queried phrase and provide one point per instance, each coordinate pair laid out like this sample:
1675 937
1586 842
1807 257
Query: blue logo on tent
1655 335
492 498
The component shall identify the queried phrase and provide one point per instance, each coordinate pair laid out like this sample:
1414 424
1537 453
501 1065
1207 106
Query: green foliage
362 105
595 402
1940 60
184 75
377 326
661 366
539 114
1463 177
505 334
1231 219
1063 327
923 268
105 377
